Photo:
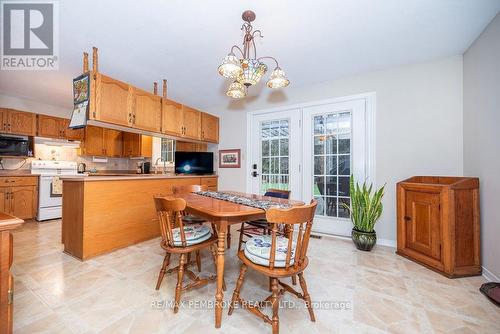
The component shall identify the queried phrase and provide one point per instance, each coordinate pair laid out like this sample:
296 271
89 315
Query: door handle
255 174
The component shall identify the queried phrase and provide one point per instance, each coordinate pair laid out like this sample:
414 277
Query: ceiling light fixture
247 71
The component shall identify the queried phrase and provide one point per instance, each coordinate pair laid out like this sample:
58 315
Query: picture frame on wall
230 158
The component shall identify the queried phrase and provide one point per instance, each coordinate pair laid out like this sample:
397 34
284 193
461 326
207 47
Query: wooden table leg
219 294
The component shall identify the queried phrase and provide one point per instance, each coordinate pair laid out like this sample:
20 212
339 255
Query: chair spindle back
169 211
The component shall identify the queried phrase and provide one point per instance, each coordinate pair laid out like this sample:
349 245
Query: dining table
223 214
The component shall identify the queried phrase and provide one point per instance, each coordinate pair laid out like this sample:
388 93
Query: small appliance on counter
143 167
81 168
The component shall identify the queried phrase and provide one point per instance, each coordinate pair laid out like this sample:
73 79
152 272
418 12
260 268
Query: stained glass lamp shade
253 70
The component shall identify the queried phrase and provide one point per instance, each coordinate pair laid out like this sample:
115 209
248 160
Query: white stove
49 199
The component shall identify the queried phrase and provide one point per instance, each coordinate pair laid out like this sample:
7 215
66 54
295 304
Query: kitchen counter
8 222
19 172
118 176
102 213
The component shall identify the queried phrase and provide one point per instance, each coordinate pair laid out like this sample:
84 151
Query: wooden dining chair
180 238
278 257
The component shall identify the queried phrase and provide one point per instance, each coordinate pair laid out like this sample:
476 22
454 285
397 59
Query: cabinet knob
407 218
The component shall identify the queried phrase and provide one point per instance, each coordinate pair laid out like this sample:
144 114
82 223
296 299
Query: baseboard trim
381 242
489 276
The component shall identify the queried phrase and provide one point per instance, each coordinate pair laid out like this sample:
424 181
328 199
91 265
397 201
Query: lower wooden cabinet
438 223
19 196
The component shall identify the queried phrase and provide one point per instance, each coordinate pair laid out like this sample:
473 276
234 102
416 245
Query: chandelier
248 70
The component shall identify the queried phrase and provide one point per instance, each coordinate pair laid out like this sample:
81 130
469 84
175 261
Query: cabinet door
22 123
146 110
192 122
113 101
146 146
4 202
93 144
71 134
172 120
23 202
209 128
4 117
131 144
113 143
423 221
50 127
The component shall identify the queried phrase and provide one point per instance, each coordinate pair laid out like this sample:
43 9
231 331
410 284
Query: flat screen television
197 163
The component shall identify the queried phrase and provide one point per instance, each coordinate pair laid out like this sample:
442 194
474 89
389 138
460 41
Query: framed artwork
81 88
230 158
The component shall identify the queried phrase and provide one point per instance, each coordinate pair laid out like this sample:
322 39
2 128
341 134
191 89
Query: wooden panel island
104 213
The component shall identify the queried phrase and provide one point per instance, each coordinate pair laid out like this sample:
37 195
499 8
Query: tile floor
376 292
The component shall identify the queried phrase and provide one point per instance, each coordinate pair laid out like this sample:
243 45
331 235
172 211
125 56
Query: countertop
19 172
117 177
8 222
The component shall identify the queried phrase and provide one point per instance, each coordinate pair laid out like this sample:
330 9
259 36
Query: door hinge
300 168
10 296
300 123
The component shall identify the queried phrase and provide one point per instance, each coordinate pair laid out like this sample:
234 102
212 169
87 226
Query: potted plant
366 208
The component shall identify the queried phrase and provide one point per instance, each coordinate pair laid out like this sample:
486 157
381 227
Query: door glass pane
331 163
275 154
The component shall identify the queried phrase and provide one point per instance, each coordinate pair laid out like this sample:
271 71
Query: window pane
284 128
344 145
275 165
344 186
284 147
320 209
319 145
331 165
331 206
344 165
275 127
274 147
265 165
331 185
265 148
284 166
319 165
331 144
331 123
318 125
319 185
343 212
265 130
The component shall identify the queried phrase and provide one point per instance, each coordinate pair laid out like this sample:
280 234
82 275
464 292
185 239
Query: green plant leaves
366 206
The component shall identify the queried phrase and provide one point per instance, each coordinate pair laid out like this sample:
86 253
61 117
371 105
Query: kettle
81 167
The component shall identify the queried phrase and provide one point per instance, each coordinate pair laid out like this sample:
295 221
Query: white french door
313 150
274 157
334 147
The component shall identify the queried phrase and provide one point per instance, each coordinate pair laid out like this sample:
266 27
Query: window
274 154
167 150
332 163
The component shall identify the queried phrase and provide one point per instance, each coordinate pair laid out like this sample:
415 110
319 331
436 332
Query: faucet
164 166
156 165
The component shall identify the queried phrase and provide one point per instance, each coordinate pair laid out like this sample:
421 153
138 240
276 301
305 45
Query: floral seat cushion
194 234
258 250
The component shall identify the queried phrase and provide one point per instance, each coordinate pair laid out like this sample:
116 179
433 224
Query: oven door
47 198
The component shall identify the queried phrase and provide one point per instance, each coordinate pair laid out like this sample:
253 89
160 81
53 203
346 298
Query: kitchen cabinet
191 122
146 110
172 118
102 142
17 122
56 127
209 128
112 101
19 196
136 145
190 147
438 223
7 223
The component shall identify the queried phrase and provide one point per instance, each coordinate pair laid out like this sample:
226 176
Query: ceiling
184 41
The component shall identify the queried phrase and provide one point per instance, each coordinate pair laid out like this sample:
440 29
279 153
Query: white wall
418 124
482 136
24 104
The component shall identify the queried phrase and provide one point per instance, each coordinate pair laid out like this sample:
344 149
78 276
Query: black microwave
16 146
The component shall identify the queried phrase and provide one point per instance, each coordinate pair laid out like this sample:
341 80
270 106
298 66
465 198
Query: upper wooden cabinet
102 142
172 118
192 122
190 147
55 127
112 101
209 128
17 122
146 110
136 145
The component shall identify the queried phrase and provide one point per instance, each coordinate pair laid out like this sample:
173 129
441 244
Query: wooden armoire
438 223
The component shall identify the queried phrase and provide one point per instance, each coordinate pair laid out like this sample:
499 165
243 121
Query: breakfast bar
108 212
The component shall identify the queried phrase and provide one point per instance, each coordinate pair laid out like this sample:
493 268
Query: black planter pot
364 240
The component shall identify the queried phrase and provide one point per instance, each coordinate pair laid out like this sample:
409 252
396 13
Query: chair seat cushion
258 250
194 234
